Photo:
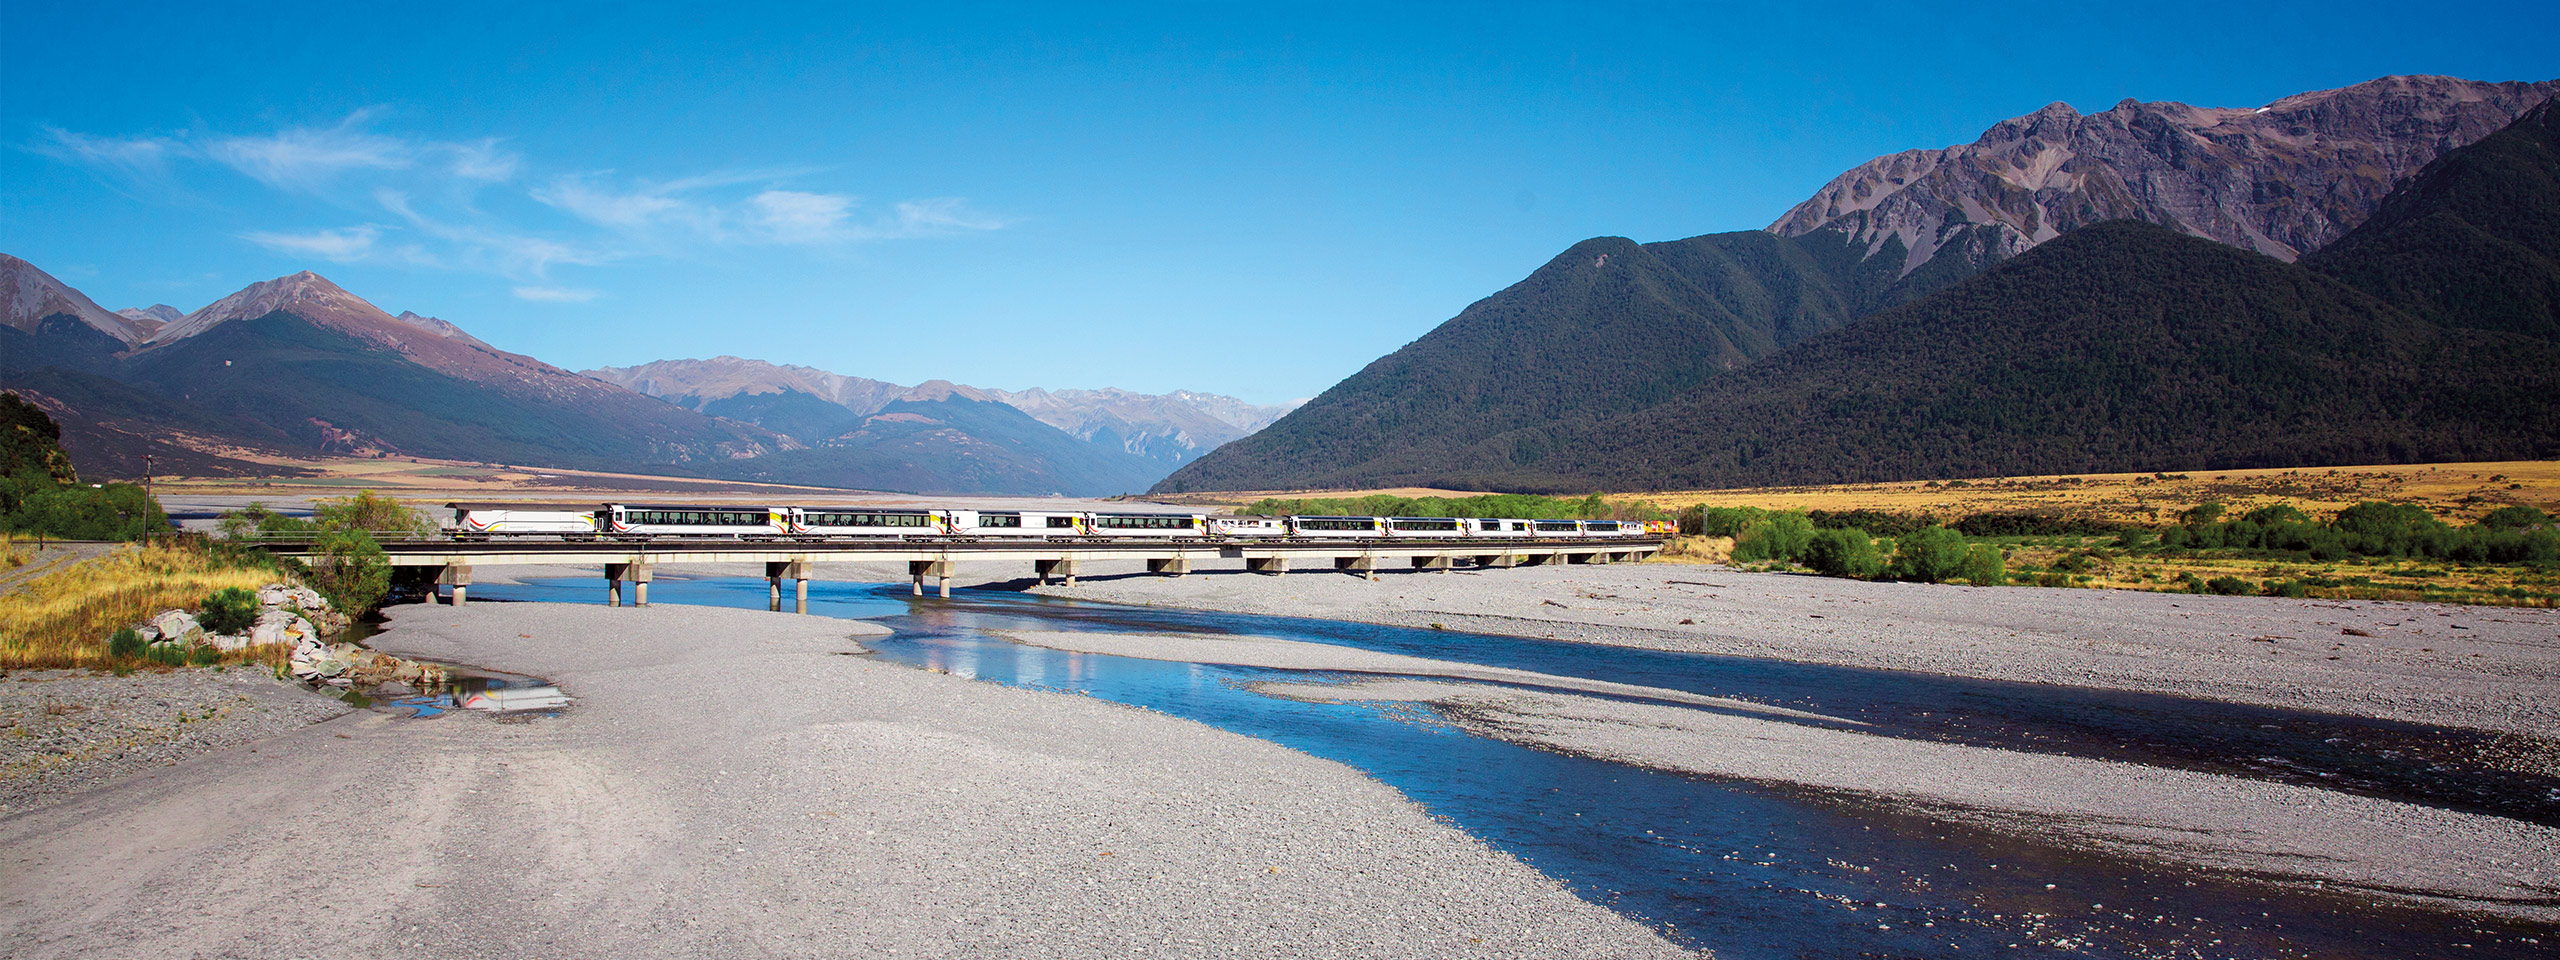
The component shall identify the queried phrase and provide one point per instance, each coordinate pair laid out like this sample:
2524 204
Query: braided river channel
1751 870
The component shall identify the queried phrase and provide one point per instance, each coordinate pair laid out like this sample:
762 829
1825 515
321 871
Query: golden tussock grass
10 556
63 619
1694 550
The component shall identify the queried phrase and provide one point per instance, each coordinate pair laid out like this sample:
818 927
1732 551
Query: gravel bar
66 731
735 783
2487 668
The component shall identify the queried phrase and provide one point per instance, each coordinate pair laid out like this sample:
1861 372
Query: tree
370 512
1844 553
1930 555
1779 536
349 568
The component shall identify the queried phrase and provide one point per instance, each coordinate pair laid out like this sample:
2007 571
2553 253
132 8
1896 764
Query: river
1749 870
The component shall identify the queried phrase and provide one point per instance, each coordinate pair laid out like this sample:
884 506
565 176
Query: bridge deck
629 561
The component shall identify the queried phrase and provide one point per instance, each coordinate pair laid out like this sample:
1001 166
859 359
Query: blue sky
1247 200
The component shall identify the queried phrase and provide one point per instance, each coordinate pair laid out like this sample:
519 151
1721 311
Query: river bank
733 782
2485 668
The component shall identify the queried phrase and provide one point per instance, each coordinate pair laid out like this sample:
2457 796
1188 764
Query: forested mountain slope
2120 347
1609 327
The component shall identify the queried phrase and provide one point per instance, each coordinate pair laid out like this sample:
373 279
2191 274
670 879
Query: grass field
2454 492
2457 493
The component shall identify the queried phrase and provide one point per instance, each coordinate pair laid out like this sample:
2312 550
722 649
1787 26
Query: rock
280 626
149 633
178 626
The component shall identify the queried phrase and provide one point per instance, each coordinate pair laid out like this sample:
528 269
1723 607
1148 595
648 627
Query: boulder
277 626
177 626
149 633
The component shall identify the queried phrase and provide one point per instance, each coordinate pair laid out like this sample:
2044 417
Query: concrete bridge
630 561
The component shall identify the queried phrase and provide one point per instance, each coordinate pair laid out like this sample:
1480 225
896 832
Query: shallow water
1747 870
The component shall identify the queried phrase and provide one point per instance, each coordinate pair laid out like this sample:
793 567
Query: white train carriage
660 520
1555 528
1497 527
1030 524
1426 527
1158 525
868 522
1248 526
472 521
1336 528
1612 528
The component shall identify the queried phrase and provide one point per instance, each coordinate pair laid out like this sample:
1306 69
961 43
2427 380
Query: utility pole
146 498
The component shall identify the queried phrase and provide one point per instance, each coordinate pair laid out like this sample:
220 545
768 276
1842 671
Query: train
637 521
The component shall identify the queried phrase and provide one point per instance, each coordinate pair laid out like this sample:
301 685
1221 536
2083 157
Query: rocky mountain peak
29 295
2283 179
308 294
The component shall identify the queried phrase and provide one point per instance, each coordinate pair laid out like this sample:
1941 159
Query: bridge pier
616 573
1169 566
1440 562
457 576
938 569
1504 560
798 571
1357 566
1062 567
1275 566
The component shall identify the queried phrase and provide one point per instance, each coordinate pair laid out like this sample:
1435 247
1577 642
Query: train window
1565 526
1423 524
1062 523
1338 523
999 519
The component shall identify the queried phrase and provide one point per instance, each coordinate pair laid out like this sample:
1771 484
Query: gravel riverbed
2487 668
66 731
734 783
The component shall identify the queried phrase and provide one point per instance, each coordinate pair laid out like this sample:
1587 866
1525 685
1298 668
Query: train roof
696 506
525 505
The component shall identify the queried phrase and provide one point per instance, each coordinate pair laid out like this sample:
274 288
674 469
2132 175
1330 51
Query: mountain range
300 366
1879 331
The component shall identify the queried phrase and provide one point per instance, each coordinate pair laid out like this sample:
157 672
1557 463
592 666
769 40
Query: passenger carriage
473 521
1496 527
656 520
1154 525
1248 526
1555 528
1611 528
868 522
1426 527
1028 524
1335 528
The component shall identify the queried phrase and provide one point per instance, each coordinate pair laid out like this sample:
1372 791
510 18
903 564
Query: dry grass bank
63 618
2452 491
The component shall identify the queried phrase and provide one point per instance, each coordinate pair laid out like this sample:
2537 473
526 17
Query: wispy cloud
791 216
309 158
345 245
125 162
480 206
554 294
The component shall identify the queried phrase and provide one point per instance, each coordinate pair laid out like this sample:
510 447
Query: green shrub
229 610
125 643
2190 583
1983 566
2289 588
1844 553
204 656
1930 555
2227 586
349 568
2517 517
167 655
1779 536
